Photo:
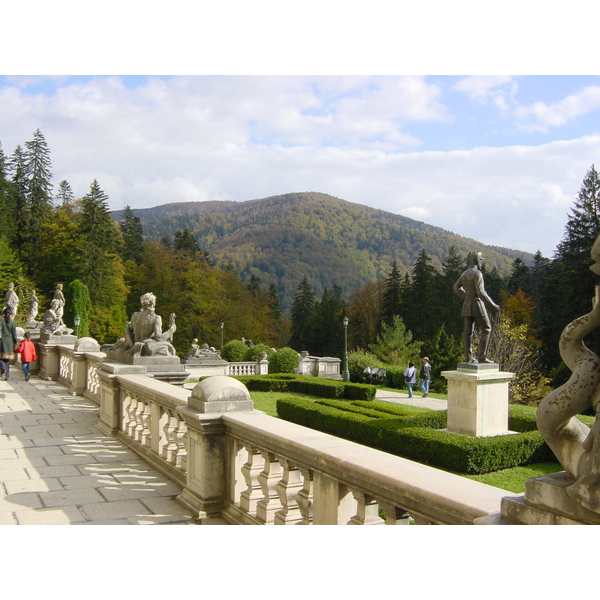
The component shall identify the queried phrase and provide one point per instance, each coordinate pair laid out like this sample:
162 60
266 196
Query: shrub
284 360
234 351
419 437
252 352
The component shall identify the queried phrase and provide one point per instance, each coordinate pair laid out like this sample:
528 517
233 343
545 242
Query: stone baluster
146 422
269 477
394 515
305 496
367 510
251 470
288 489
129 425
169 449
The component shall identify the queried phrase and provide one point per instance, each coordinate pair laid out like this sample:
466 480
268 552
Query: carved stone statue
194 351
470 287
58 295
52 324
144 335
11 300
33 307
576 446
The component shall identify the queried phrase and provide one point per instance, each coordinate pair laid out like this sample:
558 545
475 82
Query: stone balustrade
246 467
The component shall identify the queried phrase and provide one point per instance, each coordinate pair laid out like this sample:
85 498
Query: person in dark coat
8 341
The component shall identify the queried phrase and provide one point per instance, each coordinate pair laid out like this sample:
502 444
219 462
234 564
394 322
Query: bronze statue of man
470 287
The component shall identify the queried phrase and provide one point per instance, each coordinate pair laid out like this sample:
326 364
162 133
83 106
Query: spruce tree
101 242
303 315
421 299
133 236
64 196
392 299
18 196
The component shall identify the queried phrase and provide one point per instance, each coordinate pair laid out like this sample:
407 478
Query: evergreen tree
64 196
444 352
254 286
392 299
518 277
18 193
7 205
395 344
100 267
421 299
78 303
273 302
185 240
449 303
328 338
303 315
133 236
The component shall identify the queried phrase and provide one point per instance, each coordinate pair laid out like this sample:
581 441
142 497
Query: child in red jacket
27 351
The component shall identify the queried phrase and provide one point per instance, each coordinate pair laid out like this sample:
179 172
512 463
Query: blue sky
498 158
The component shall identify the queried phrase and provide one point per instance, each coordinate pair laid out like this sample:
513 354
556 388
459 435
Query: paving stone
114 510
12 474
53 471
32 485
38 451
166 507
8 453
67 459
7 518
86 481
67 515
13 502
70 497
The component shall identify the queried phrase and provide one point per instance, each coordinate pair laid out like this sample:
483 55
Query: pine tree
421 299
64 196
98 267
450 303
133 236
392 299
328 337
39 191
8 225
18 193
303 315
569 285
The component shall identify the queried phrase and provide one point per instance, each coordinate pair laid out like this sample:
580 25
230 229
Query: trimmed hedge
417 438
312 386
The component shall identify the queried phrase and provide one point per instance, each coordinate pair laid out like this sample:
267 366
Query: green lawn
512 480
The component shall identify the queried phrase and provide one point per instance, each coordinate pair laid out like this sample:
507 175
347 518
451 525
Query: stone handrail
249 468
237 463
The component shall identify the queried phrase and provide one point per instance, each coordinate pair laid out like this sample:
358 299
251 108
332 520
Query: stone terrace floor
57 468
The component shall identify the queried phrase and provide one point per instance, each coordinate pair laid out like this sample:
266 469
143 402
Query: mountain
283 238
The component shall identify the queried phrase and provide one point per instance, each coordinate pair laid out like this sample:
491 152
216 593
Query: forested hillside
284 238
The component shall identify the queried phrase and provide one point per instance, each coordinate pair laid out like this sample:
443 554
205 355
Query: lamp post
76 320
346 372
222 326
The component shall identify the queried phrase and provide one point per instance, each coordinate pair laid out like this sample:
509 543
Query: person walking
8 341
410 374
425 377
28 354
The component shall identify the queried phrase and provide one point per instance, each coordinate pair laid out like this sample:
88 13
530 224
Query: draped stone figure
33 307
144 335
11 300
576 445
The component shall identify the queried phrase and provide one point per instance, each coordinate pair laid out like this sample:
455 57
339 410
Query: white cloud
541 116
498 90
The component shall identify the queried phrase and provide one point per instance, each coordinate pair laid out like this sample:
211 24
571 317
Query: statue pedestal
545 502
478 399
163 368
53 338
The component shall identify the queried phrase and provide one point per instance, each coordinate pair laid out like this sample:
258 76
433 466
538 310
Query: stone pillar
478 399
207 466
49 361
110 391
